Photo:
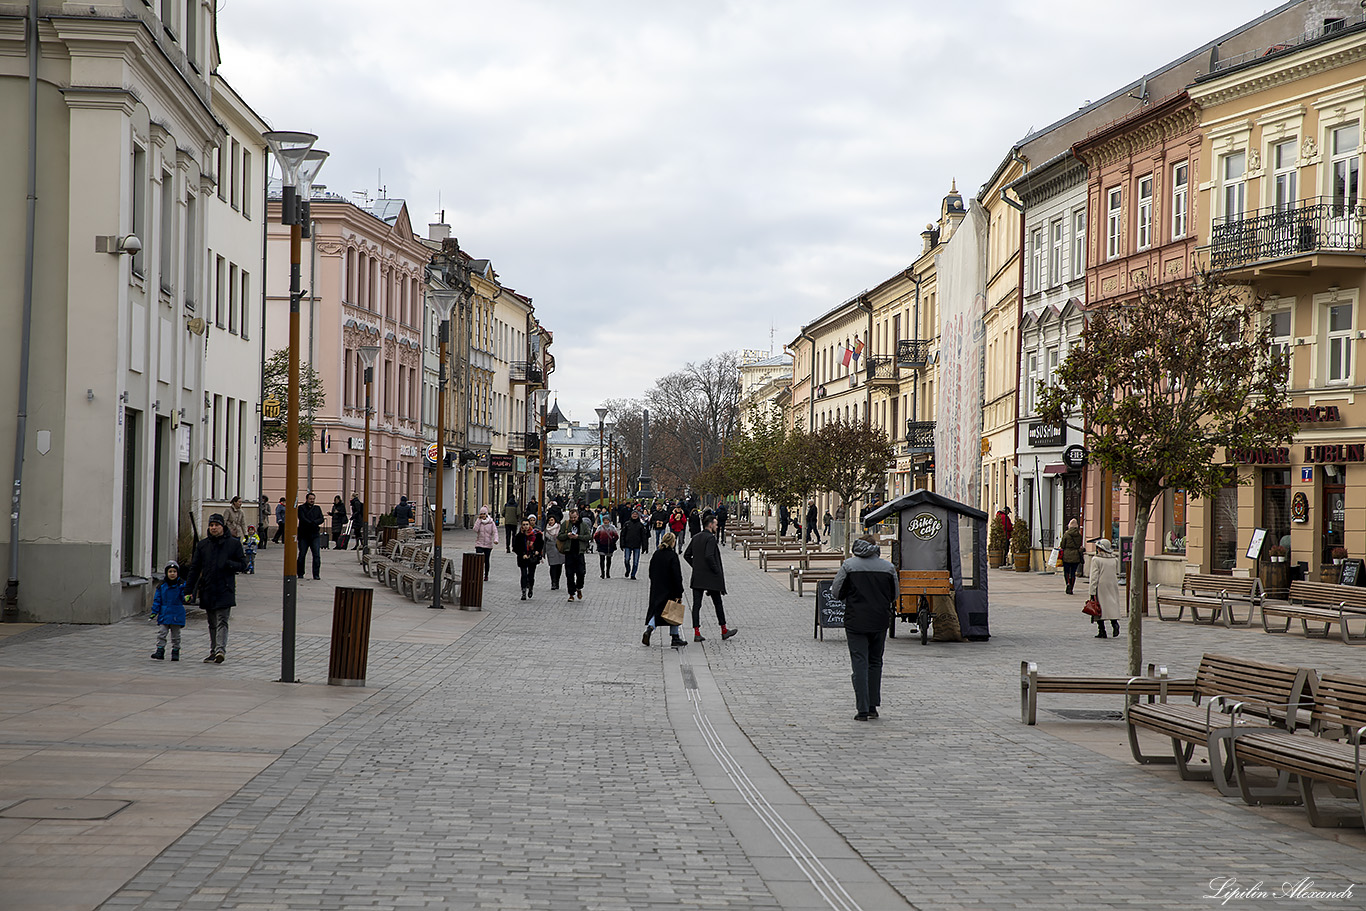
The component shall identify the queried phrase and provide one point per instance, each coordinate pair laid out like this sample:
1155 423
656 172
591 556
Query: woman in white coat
1104 587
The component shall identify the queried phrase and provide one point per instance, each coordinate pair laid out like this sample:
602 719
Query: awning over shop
1054 469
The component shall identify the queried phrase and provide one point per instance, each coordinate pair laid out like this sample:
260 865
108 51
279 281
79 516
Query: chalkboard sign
829 611
1354 572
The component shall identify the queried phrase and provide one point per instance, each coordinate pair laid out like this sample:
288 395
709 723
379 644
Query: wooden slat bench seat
1219 595
824 560
804 577
768 552
1157 685
1319 602
1331 755
1285 692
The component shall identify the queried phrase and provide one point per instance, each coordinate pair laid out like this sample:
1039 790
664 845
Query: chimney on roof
439 230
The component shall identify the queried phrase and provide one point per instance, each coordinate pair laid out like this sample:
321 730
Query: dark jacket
279 514
659 518
666 580
529 548
213 572
338 514
579 546
694 522
606 538
310 520
867 584
403 513
634 535
1070 546
704 556
811 516
722 513
168 604
357 511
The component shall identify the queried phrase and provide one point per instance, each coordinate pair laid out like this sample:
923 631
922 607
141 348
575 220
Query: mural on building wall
962 306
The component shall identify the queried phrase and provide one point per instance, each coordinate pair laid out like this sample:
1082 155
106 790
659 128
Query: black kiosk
936 533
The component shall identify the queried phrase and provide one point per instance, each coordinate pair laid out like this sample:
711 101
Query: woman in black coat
666 584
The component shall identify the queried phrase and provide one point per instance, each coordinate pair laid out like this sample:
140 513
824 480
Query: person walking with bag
1069 554
1104 587
666 590
709 577
529 546
338 516
867 584
218 558
554 557
575 536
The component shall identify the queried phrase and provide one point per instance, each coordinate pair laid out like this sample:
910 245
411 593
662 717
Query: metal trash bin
350 636
472 582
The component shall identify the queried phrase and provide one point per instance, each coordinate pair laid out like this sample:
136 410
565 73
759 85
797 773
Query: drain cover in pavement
54 808
1088 714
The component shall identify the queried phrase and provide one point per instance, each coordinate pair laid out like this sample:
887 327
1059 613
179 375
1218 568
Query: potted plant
1019 542
997 545
1339 555
1278 553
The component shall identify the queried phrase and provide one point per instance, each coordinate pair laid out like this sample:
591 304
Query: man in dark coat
575 536
722 513
811 528
704 556
783 519
217 559
867 584
659 521
403 513
310 525
357 520
634 537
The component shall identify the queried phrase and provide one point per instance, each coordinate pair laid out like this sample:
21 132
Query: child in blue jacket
168 606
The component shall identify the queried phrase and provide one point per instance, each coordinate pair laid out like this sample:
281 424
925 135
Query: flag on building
848 356
858 348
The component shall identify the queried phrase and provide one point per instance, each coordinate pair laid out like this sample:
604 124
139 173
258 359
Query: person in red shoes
708 576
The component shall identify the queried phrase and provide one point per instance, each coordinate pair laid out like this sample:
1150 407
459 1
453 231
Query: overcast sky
672 180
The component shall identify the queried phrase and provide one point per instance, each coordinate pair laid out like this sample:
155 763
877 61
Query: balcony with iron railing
881 370
1289 235
912 353
920 436
528 372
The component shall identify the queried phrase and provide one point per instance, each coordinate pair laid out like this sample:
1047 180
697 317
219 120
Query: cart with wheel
917 587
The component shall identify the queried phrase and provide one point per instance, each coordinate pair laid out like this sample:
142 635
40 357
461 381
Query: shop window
1174 520
1334 511
1276 503
1224 534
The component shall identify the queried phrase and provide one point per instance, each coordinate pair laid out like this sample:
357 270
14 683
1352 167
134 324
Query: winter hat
172 565
1104 546
217 517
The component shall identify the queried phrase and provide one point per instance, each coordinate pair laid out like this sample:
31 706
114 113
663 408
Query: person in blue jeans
634 537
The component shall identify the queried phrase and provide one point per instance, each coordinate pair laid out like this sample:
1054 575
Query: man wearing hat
217 560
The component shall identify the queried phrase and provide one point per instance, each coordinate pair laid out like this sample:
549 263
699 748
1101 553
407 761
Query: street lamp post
293 152
445 301
602 416
367 353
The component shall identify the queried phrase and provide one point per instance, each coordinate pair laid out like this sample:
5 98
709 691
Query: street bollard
350 636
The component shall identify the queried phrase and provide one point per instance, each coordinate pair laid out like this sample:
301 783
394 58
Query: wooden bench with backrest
1331 753
1157 685
420 589
1319 602
379 552
768 552
381 557
748 543
917 586
1220 595
1285 692
411 557
406 580
812 561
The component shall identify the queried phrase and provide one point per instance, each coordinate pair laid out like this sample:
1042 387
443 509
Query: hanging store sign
1299 508
1044 435
1074 456
431 453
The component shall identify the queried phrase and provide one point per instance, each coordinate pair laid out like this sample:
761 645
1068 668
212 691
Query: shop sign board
1074 456
1043 435
500 462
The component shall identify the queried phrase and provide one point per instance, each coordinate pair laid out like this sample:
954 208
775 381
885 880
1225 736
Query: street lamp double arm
367 354
299 164
602 481
445 301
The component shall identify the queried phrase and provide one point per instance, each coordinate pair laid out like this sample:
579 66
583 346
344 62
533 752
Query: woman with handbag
554 557
666 591
529 546
1069 553
1104 587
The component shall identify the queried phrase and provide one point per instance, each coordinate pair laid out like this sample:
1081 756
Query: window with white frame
1051 359
1346 167
1145 212
1078 244
1031 381
1338 360
1036 254
1113 222
1055 260
1233 168
1279 326
1284 178
1180 198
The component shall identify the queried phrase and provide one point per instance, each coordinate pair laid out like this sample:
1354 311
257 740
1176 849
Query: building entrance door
1334 512
1071 497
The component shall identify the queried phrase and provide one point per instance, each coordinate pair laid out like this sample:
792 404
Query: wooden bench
824 560
917 587
406 580
1157 685
812 576
1319 602
1333 756
1220 681
768 540
1218 594
420 589
380 557
766 554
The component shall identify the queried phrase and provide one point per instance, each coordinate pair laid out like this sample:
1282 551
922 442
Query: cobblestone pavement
535 756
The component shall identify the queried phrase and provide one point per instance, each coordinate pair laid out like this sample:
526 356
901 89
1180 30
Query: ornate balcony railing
528 372
1316 225
920 436
881 369
912 354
